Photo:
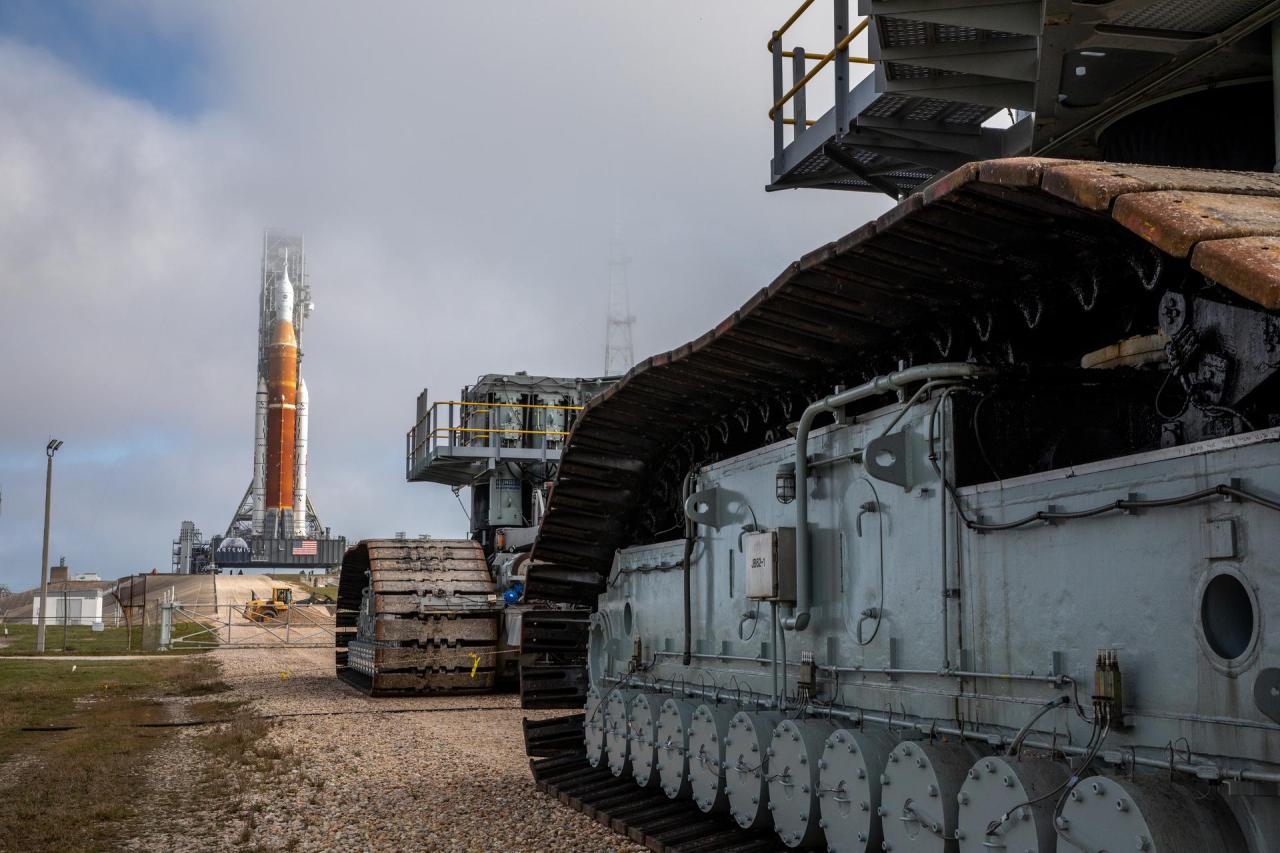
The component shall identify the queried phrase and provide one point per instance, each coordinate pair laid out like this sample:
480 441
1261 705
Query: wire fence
172 625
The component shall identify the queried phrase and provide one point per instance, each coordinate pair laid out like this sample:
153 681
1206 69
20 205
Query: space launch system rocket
279 488
275 523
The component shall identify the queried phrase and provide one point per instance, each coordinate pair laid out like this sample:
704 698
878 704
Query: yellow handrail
506 405
808 122
865 60
435 432
843 45
777 34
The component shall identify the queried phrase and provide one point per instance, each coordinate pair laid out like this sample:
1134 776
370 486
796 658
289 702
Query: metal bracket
886 459
706 507
894 653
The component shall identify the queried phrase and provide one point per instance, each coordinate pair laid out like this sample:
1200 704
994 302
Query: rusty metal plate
1095 186
1248 266
1176 221
950 182
1017 171
479 628
434 658
433 682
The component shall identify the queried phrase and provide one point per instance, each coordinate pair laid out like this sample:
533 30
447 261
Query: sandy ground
363 780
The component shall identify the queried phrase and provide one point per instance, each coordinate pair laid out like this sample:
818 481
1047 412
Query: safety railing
801 75
449 424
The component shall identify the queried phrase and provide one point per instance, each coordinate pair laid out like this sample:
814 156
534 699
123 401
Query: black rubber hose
690 529
688 599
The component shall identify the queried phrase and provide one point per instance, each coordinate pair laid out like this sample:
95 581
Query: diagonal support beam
837 155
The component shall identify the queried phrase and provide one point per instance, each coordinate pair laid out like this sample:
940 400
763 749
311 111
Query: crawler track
417 616
644 815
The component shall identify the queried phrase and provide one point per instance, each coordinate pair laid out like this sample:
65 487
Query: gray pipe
880 385
690 532
773 651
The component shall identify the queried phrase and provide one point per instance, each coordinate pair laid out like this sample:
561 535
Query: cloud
457 173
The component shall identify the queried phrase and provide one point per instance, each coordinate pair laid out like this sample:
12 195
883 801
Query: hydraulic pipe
880 385
690 532
773 652
942 519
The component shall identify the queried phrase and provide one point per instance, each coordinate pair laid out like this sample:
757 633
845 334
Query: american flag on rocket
305 548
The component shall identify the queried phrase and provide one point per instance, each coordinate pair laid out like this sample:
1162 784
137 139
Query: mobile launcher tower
275 524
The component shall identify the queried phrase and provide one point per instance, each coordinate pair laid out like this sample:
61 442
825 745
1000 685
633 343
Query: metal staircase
954 81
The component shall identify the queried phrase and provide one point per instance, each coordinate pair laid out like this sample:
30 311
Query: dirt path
364 780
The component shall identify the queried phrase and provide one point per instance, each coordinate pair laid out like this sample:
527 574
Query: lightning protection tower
619 355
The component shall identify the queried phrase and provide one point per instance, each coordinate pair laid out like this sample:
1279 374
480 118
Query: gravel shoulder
359 779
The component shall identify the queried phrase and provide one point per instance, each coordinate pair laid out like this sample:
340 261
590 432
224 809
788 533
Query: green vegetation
75 789
83 640
320 594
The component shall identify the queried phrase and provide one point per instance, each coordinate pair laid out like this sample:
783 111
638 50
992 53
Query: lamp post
49 450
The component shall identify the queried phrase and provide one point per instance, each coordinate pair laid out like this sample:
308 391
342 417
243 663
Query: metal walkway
954 81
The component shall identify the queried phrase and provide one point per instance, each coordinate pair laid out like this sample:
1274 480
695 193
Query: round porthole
1228 621
627 618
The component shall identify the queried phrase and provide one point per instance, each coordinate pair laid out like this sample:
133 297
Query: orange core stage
282 399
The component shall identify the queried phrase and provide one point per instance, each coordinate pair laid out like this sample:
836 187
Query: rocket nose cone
262 386
284 294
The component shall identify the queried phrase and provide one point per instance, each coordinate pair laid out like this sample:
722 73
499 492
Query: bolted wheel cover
674 720
593 727
995 787
794 752
849 788
918 790
617 734
646 709
746 750
1149 815
707 734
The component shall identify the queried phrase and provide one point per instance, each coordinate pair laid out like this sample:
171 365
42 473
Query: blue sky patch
118 45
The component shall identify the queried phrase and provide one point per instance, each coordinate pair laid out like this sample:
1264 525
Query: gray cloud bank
456 172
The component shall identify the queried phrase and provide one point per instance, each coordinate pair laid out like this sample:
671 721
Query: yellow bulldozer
269 609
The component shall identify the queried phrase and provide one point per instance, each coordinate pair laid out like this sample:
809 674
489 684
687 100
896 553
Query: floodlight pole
51 449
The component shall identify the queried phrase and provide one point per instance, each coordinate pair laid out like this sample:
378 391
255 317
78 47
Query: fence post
778 92
842 68
797 100
166 625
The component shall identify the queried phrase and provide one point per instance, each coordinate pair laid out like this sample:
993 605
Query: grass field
80 640
76 788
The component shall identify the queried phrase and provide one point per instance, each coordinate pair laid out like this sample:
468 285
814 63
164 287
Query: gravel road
363 780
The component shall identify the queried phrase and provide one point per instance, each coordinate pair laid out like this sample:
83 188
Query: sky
457 170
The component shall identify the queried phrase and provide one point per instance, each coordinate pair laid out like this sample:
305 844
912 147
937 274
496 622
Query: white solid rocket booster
300 464
259 490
